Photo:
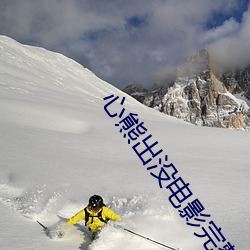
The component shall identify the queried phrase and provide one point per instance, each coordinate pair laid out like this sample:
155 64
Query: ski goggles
94 208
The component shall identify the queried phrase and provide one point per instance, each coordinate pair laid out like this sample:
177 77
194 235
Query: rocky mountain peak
196 64
200 96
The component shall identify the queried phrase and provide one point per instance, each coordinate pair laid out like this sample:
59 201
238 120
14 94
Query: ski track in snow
40 204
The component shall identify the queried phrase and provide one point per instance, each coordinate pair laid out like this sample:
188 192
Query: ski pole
148 239
45 228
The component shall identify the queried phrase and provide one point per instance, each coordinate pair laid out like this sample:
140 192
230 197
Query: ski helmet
96 202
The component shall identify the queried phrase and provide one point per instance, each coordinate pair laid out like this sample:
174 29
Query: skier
95 214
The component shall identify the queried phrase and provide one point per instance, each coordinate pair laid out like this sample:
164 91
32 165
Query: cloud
125 42
228 28
233 48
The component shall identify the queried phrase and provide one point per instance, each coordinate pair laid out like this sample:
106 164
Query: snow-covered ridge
34 73
35 68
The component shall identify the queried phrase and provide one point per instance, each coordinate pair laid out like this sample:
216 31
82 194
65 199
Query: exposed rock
237 81
137 91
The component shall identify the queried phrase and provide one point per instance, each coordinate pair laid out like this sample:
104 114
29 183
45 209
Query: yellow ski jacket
94 223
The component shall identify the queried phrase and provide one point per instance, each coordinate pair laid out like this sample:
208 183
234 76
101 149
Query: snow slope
59 146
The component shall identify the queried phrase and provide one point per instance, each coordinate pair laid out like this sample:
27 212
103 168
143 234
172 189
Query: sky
132 41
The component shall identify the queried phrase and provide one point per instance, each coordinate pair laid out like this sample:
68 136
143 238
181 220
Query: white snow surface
58 147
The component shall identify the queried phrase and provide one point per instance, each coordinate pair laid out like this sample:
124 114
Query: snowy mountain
60 143
202 95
